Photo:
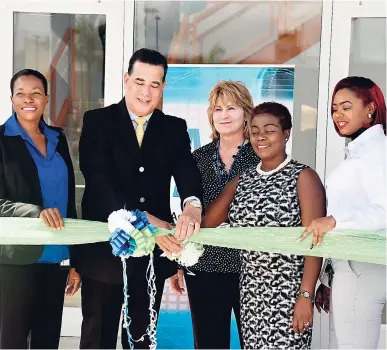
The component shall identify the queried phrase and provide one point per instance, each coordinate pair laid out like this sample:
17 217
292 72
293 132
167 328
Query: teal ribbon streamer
355 245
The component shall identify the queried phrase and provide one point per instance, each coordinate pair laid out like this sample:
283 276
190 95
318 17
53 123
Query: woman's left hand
73 282
319 227
303 314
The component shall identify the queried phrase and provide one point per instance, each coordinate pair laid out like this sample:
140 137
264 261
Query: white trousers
358 296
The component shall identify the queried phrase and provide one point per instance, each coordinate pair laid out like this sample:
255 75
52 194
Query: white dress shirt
147 117
356 189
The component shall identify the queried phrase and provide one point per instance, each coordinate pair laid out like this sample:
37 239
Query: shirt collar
373 133
13 128
133 116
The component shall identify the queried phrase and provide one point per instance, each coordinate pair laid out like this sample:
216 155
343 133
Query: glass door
78 46
358 47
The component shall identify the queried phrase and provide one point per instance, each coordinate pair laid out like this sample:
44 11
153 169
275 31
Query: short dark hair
148 56
26 72
277 110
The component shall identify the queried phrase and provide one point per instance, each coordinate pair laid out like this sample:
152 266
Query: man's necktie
140 121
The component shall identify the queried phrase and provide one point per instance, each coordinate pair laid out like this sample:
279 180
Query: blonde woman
213 290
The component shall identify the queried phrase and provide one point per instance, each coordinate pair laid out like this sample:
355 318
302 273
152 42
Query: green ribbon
355 245
145 242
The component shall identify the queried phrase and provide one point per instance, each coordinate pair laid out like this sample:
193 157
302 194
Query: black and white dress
213 283
269 281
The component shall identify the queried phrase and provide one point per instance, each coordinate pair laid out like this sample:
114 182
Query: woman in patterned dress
276 290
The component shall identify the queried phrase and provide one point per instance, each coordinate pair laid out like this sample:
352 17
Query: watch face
195 203
306 294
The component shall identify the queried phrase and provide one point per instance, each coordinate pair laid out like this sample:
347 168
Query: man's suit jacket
119 174
20 193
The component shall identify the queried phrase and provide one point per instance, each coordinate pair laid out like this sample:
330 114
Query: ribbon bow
132 233
122 243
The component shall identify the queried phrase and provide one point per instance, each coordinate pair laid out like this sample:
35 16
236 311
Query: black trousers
102 307
31 305
212 298
101 311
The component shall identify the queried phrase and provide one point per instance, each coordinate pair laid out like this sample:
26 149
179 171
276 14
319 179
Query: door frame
114 55
115 20
343 13
338 53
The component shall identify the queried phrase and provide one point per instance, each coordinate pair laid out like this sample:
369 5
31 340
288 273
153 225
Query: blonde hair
238 94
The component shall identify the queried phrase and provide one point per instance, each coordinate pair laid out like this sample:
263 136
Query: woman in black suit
36 180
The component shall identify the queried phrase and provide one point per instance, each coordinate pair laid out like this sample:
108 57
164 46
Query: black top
214 178
21 195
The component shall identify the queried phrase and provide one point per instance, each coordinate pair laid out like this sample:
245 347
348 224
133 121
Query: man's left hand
188 222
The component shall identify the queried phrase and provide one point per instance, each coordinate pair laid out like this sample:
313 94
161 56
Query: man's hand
188 222
177 283
156 222
52 218
73 282
169 244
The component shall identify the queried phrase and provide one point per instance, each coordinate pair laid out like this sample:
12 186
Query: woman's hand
169 244
319 227
73 282
52 218
303 314
177 283
323 297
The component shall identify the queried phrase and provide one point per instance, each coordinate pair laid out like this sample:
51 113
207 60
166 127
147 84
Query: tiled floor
174 332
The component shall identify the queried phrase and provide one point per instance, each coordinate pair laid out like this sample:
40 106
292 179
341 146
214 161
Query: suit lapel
125 131
153 129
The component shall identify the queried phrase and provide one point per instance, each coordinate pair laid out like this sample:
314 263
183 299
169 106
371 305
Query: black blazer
119 174
20 193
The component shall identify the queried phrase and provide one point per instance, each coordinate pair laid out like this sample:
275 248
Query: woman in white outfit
356 194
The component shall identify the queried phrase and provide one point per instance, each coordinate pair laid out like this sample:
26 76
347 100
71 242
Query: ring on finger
307 324
191 223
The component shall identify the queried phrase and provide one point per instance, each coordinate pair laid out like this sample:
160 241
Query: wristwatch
195 203
305 294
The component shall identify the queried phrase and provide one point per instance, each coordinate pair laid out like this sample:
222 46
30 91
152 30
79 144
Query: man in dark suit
128 154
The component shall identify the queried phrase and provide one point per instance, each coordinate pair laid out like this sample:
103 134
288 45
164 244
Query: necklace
279 167
218 165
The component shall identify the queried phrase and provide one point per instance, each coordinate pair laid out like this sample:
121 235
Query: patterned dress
269 281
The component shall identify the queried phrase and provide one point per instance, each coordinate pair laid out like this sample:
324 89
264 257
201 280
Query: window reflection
70 50
244 32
